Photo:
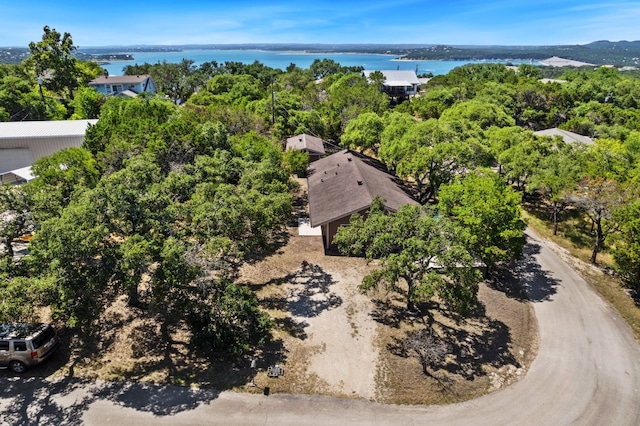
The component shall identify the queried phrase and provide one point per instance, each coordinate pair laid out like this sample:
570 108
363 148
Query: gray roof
24 173
397 77
306 142
120 79
567 136
345 183
556 61
44 129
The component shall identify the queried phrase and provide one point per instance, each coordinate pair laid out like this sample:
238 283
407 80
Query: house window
117 88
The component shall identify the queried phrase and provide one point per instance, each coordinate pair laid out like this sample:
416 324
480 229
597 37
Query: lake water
281 60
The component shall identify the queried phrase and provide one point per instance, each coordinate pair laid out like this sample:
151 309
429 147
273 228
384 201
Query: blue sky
504 22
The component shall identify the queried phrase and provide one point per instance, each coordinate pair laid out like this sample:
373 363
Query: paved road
587 373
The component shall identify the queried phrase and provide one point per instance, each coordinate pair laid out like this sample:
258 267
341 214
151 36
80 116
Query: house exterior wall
42 147
401 91
329 230
116 87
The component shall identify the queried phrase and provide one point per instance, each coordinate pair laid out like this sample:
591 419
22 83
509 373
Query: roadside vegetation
171 195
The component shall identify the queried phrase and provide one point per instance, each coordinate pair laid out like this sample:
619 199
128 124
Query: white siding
14 158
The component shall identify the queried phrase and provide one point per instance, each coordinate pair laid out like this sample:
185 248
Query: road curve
587 372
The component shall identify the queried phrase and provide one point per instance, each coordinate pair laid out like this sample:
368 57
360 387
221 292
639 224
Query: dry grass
489 350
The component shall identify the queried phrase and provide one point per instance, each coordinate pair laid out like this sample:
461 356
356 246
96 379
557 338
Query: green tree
489 212
484 114
58 178
55 54
363 132
626 253
599 198
15 217
440 156
557 177
419 255
295 161
74 249
87 103
320 68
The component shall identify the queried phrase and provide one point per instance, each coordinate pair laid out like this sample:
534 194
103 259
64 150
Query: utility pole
273 105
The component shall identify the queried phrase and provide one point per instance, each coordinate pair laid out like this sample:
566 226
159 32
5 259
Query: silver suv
23 345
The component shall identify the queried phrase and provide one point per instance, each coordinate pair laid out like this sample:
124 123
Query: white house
398 84
125 85
24 142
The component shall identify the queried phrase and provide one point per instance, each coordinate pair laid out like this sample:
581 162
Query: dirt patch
324 321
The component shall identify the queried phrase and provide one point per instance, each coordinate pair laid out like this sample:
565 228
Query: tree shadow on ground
308 295
35 401
486 343
393 311
474 350
524 279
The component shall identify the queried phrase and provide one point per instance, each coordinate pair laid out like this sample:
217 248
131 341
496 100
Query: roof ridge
361 180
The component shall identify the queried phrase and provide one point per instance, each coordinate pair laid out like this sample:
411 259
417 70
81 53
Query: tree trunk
9 247
599 241
411 307
134 300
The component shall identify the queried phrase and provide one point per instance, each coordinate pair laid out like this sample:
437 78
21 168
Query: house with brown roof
346 183
307 143
123 85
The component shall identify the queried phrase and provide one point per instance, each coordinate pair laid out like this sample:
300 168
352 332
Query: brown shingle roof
307 143
345 182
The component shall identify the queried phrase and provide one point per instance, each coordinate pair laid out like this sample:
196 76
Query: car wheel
17 366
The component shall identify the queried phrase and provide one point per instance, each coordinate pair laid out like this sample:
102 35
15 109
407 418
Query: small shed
307 143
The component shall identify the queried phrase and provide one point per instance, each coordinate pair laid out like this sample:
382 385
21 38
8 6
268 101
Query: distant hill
617 53
599 52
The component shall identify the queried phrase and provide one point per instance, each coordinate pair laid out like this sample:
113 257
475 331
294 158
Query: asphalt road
587 372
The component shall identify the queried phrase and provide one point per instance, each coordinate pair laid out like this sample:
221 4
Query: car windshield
42 338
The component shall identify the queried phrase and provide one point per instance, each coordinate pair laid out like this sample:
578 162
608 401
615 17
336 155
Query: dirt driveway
327 328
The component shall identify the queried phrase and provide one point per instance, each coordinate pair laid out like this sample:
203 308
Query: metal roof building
556 61
567 136
24 142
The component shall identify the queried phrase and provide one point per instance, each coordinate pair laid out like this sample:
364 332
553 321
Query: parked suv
24 345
